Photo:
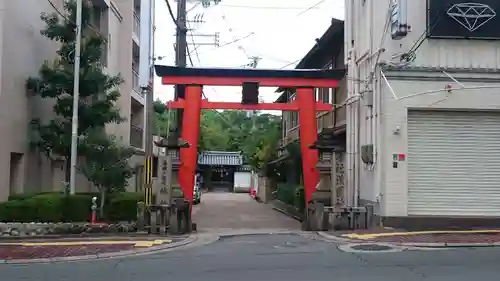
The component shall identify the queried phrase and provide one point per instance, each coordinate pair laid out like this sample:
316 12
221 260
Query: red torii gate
303 80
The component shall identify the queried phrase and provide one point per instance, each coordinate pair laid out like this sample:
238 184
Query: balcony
137 26
135 83
136 136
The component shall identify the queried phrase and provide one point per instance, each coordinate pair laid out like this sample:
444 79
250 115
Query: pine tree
98 91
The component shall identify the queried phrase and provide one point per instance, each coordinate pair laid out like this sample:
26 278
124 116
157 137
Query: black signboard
463 19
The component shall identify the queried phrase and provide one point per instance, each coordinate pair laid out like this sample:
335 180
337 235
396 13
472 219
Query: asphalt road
272 257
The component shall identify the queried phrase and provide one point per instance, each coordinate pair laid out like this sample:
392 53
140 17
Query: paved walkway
481 237
79 249
223 210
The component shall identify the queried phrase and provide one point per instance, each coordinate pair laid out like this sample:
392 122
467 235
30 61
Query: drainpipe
379 137
357 133
348 109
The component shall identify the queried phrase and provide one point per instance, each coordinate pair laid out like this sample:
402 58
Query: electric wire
190 58
264 7
58 11
407 58
311 7
305 10
172 16
195 49
240 47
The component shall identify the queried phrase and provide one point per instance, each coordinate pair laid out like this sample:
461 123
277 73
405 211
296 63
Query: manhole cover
371 247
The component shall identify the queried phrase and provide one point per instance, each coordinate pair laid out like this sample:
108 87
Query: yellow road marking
389 234
86 243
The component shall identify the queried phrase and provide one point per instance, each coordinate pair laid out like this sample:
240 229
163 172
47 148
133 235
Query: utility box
367 153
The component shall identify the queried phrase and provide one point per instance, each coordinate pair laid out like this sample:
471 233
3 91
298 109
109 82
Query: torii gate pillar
308 136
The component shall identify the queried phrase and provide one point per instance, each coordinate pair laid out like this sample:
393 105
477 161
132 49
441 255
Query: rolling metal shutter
453 163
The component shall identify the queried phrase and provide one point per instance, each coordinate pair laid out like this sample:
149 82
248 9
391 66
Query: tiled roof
220 158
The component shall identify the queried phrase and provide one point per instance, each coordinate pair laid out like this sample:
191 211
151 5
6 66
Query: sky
280 32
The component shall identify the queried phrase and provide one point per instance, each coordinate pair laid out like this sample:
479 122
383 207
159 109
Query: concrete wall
22 51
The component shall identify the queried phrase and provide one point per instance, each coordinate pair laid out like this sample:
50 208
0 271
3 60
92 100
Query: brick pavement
17 250
438 237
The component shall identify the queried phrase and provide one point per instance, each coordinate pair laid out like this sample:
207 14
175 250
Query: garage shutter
453 163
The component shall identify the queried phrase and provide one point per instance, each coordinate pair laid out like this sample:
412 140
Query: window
105 51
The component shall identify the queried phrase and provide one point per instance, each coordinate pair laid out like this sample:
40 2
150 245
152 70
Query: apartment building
22 51
326 53
426 135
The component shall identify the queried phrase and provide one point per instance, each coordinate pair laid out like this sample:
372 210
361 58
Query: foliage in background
164 119
256 137
98 91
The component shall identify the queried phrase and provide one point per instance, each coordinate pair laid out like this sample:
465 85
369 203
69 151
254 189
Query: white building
424 108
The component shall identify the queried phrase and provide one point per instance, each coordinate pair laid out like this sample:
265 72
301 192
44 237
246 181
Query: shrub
57 207
35 209
300 198
23 196
286 193
123 206
47 207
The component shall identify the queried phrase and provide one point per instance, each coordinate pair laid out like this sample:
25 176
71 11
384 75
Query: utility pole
146 62
180 55
76 98
181 46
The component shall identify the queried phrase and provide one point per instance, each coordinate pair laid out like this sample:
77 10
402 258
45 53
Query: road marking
146 243
389 234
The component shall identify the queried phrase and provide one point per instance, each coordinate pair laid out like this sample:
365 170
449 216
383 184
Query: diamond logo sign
471 15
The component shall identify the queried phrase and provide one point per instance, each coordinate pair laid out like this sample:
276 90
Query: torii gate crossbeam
305 81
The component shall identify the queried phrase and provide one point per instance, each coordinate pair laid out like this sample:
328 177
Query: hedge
57 207
123 206
292 195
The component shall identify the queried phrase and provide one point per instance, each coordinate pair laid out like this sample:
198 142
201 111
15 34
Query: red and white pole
93 217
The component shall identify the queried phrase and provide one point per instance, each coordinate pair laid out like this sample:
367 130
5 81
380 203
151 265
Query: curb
225 233
334 238
127 253
79 238
287 213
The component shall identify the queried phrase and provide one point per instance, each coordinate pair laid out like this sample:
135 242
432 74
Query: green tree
106 164
214 134
164 119
98 91
230 130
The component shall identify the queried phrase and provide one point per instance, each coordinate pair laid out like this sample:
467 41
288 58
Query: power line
264 7
69 20
234 37
311 8
253 33
231 42
291 63
172 16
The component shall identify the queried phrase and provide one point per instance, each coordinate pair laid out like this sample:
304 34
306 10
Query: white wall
395 184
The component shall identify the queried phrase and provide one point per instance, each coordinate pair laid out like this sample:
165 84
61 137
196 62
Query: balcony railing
135 82
137 25
136 136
